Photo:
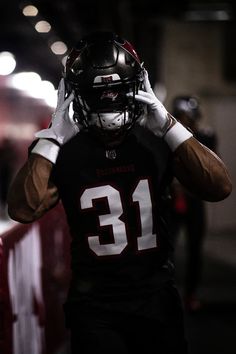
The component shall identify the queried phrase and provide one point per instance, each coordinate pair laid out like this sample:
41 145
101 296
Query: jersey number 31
141 195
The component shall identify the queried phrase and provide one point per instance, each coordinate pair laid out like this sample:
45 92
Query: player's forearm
201 171
32 193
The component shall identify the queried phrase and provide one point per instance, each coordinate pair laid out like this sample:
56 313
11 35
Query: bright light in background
7 63
64 59
30 10
58 48
25 80
207 15
42 27
31 83
49 93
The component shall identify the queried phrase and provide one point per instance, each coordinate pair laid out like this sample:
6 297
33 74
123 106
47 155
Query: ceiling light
25 80
30 10
7 63
213 11
42 27
59 48
33 86
195 15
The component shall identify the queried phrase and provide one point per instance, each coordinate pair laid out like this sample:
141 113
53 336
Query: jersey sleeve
32 192
201 171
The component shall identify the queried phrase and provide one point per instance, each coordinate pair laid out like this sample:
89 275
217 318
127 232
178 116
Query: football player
111 164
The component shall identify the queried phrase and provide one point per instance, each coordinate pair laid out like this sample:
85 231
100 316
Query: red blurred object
34 277
180 204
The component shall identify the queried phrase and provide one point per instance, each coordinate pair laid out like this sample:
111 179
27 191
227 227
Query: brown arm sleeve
201 171
32 193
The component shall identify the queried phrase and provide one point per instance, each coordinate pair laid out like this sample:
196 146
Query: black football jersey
115 202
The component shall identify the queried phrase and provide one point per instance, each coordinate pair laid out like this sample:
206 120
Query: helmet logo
109 94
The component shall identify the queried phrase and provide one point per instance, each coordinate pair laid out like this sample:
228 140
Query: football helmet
100 71
186 104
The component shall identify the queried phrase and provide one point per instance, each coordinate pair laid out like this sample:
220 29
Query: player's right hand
62 127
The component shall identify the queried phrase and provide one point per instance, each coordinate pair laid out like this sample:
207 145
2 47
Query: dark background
138 21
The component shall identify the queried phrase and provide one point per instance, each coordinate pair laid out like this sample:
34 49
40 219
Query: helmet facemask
107 110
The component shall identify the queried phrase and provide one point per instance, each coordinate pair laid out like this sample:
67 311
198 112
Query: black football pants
148 332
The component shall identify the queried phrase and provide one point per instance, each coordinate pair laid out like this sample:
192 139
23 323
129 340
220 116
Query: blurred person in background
8 159
188 210
111 163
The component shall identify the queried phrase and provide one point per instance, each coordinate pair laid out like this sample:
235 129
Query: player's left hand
158 120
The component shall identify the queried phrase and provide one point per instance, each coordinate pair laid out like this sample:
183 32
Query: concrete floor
212 330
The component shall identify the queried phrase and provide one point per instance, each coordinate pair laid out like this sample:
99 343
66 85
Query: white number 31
141 195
